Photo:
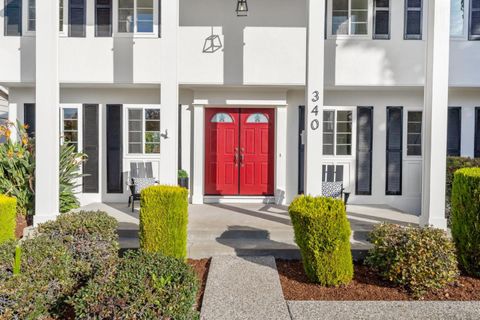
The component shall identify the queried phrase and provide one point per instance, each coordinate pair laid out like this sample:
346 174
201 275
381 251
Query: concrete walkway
243 288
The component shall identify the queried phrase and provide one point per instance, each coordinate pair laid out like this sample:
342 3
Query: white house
255 106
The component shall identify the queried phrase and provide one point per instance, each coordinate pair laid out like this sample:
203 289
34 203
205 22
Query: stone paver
243 288
383 310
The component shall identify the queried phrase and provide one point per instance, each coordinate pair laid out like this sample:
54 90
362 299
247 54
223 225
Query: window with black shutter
413 19
474 27
394 151
103 18
477 132
12 14
363 181
114 149
381 22
90 148
454 135
29 118
76 18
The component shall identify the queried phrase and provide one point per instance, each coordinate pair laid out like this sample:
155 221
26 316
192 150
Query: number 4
315 110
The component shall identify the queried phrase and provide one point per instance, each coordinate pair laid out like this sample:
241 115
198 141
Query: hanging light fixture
212 43
242 8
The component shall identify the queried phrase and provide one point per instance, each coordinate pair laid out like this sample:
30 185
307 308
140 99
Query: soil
201 268
21 224
366 286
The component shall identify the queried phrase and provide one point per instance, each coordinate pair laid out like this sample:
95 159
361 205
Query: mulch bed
22 223
366 286
201 268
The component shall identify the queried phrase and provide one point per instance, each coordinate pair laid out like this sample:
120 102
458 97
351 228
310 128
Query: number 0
314 124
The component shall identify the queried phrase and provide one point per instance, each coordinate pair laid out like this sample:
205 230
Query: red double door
239 151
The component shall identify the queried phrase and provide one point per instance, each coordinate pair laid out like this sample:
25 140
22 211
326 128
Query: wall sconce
242 8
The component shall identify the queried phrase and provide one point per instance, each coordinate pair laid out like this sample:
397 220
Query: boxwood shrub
8 215
453 164
145 286
418 259
322 232
163 220
465 218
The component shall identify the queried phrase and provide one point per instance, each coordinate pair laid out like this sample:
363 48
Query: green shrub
322 232
90 237
8 215
163 220
182 174
418 259
146 286
465 219
453 164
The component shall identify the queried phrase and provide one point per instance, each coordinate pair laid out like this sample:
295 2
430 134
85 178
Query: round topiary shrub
418 259
465 218
145 286
322 232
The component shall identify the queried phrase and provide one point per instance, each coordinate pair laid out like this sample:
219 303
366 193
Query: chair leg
129 201
133 204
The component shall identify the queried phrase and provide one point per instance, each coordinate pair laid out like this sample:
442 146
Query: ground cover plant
322 232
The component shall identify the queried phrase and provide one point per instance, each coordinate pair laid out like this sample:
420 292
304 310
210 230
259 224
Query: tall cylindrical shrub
322 232
8 215
163 220
465 218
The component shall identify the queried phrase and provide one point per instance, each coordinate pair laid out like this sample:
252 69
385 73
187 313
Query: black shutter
103 18
114 149
394 151
77 18
12 14
301 150
29 118
477 132
363 179
454 131
90 148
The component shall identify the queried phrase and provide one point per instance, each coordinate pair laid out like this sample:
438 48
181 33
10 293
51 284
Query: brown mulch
201 268
21 224
366 286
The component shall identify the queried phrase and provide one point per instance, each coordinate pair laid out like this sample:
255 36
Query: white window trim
405 133
332 36
354 134
135 34
79 108
126 138
466 23
25 18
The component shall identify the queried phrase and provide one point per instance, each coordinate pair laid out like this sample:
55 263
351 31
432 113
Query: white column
281 155
169 94
198 154
436 114
314 96
47 115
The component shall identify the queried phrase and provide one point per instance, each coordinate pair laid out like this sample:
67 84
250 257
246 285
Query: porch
251 229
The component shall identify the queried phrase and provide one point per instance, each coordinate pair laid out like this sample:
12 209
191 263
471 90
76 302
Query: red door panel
221 151
257 128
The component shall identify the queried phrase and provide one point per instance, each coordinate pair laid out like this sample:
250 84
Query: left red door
221 151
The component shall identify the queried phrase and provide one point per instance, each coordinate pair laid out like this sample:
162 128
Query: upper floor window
457 18
31 15
474 29
103 18
136 16
77 18
349 17
13 17
381 25
413 19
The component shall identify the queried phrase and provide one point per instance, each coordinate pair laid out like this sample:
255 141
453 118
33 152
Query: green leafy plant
163 220
17 263
8 213
145 286
70 174
182 174
322 232
418 259
453 164
465 219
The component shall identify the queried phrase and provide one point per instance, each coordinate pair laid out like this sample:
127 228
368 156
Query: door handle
242 157
235 157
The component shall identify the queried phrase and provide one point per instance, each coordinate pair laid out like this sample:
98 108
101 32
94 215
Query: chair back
332 189
141 170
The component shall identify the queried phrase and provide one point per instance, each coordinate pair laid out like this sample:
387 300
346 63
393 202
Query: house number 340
315 124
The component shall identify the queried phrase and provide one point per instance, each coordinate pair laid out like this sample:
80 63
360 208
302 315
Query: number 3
316 96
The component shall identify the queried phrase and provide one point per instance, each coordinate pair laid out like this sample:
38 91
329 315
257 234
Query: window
413 19
13 17
31 15
381 25
394 149
135 16
144 131
474 28
257 118
457 18
222 117
414 133
454 131
337 132
70 126
103 18
332 173
349 17
76 18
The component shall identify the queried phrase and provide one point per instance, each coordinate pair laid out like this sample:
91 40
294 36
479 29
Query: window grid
60 15
337 132
31 15
381 10
13 17
136 16
349 17
144 131
414 133
329 132
414 7
70 126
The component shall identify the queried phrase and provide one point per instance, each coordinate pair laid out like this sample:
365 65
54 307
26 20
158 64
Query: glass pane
257 118
344 127
344 116
328 116
340 5
327 139
135 125
125 16
152 125
152 114
134 148
340 22
222 118
135 137
70 125
70 136
152 148
414 150
135 114
359 28
457 16
144 3
414 138
415 116
70 113
328 150
344 139
413 22
344 150
360 4
414 127
152 136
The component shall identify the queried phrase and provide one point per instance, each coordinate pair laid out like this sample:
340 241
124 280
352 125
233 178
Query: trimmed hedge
146 286
8 215
465 218
418 259
453 164
322 232
163 220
